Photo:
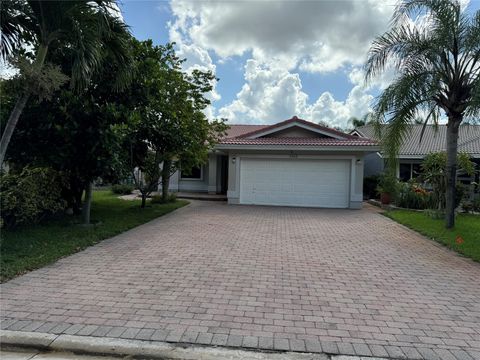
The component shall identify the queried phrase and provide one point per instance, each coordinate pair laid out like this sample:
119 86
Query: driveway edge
89 345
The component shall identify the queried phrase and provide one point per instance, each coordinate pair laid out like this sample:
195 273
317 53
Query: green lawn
26 249
466 226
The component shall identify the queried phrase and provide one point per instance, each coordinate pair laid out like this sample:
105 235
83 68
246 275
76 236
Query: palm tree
91 28
357 122
435 47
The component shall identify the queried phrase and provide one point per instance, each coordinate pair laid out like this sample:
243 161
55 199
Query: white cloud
271 94
380 82
317 36
283 38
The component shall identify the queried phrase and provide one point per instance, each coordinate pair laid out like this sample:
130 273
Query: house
291 163
413 150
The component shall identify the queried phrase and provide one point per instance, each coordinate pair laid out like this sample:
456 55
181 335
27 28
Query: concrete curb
33 340
89 345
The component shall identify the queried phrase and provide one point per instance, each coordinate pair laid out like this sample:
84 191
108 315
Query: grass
466 226
30 248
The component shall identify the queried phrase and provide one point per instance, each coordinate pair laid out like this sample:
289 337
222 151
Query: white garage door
295 182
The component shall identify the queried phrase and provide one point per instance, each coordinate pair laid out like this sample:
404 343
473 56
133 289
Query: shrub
388 184
30 196
476 204
370 184
157 199
412 196
122 189
433 173
467 206
460 192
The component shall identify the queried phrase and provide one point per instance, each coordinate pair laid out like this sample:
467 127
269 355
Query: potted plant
387 188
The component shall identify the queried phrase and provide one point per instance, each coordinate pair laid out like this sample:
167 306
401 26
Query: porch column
212 173
174 181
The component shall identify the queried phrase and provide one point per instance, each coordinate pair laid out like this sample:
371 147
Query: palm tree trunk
88 203
20 105
11 124
451 170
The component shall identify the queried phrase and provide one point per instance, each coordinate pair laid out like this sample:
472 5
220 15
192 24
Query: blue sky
274 59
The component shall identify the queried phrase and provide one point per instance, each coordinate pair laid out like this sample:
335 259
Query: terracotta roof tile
237 135
239 130
300 141
301 121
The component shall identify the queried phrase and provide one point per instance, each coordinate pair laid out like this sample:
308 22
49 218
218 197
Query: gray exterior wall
374 164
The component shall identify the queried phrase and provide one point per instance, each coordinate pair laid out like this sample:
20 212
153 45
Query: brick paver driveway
338 281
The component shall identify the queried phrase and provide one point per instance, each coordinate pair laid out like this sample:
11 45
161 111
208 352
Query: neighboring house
413 150
291 163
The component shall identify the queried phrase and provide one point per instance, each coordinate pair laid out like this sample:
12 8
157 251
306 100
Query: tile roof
434 139
241 135
239 130
300 121
300 141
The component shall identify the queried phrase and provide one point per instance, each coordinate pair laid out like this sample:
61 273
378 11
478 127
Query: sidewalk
20 354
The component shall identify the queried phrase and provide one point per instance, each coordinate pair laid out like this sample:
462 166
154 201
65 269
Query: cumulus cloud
196 58
271 94
317 36
283 39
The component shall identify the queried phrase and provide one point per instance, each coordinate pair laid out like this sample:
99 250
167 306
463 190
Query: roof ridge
296 119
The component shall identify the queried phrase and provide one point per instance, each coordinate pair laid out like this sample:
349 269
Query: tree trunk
88 204
20 105
167 164
11 124
144 200
77 207
451 171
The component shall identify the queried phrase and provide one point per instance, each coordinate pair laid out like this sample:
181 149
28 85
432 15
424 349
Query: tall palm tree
89 27
435 47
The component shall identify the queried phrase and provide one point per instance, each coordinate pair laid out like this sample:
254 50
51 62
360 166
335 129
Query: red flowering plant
412 195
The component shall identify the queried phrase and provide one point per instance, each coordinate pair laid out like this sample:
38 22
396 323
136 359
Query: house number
293 155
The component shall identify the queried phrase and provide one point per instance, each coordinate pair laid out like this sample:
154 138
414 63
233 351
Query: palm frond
435 48
473 108
16 26
96 34
397 107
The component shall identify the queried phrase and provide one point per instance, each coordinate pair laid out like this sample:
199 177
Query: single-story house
413 150
291 163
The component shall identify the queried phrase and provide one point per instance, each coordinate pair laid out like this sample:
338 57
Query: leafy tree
75 134
89 28
167 126
357 122
438 64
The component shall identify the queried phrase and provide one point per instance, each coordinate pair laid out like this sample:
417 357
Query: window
195 173
416 170
409 171
405 172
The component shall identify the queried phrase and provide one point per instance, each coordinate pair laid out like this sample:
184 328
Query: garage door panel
295 182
